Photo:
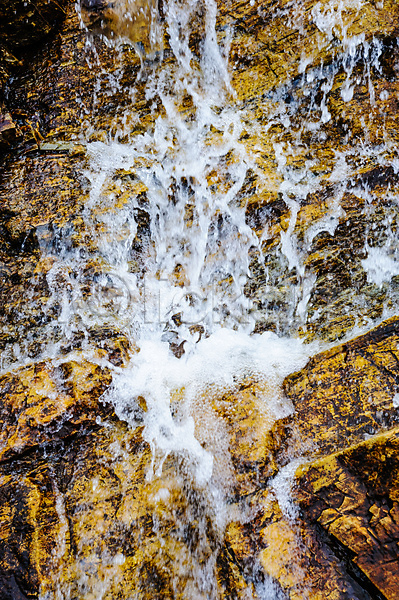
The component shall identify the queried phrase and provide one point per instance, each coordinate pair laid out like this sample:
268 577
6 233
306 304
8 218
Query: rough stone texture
354 496
341 397
43 403
77 512
346 393
272 41
8 131
42 189
25 22
354 199
136 21
83 495
23 25
296 563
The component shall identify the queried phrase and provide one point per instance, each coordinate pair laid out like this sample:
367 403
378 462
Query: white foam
215 365
282 485
335 17
379 266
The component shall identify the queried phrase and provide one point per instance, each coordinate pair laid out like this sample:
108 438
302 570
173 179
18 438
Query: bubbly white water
181 300
185 292
217 364
198 231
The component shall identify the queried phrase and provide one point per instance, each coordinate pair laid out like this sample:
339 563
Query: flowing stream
169 255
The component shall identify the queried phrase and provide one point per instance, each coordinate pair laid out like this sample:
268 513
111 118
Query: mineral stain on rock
135 21
302 504
353 495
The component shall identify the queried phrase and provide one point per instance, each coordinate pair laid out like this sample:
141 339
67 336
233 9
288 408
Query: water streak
168 254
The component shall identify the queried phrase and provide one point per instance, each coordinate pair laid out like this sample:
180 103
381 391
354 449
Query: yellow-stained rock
346 393
96 519
136 21
80 509
44 402
354 496
240 430
276 41
295 563
93 521
328 291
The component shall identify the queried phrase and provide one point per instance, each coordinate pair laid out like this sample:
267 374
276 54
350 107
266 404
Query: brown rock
92 515
346 393
7 129
22 23
43 403
89 518
79 509
136 21
295 563
51 95
354 495
239 428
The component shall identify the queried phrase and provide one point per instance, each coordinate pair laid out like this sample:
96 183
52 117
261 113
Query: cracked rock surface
79 517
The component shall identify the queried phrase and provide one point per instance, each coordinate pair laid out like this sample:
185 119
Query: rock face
302 507
349 490
353 495
315 209
136 21
344 401
23 25
346 393
76 502
309 168
43 404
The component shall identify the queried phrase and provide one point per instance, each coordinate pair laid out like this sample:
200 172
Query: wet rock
23 26
239 429
80 505
135 21
345 394
275 42
327 286
8 129
293 563
43 403
90 511
278 55
353 495
22 23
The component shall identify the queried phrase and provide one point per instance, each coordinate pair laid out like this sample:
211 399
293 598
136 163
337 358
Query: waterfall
180 298
170 256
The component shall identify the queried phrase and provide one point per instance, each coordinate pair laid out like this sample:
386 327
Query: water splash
168 254
180 298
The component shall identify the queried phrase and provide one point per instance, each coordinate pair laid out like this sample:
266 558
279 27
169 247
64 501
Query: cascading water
168 256
180 300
